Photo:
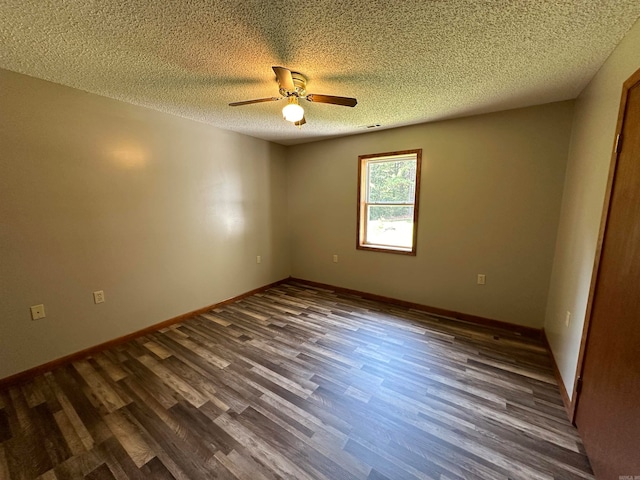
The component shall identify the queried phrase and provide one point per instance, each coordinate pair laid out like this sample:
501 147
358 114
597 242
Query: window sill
387 249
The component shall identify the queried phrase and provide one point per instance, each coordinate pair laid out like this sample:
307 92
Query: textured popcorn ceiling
405 61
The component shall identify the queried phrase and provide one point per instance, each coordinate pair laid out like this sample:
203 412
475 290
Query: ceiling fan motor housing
300 86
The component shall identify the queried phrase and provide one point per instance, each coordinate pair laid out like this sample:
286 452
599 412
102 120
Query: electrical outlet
98 296
482 279
258 259
335 259
37 312
567 319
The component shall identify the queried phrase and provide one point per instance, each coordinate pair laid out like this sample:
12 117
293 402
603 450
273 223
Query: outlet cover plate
98 296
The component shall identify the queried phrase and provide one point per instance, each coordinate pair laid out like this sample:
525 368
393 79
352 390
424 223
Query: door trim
575 397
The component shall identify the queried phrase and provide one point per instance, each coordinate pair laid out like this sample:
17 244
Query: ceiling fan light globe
293 112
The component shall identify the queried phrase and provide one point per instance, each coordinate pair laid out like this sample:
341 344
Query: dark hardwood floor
298 383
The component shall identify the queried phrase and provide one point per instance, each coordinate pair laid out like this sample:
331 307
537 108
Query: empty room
320 240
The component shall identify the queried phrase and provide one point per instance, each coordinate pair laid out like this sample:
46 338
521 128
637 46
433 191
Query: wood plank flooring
298 383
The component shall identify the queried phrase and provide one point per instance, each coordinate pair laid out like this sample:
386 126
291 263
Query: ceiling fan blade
259 100
344 101
300 123
285 80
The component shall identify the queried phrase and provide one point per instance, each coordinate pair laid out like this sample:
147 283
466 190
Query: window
388 191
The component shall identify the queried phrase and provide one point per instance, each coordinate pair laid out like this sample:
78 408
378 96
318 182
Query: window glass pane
390 225
392 181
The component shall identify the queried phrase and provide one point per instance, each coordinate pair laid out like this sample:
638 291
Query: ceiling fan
293 86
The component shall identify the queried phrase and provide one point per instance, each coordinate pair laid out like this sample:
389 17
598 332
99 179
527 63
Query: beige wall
164 214
490 201
585 184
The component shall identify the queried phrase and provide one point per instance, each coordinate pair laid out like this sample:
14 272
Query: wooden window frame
361 236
